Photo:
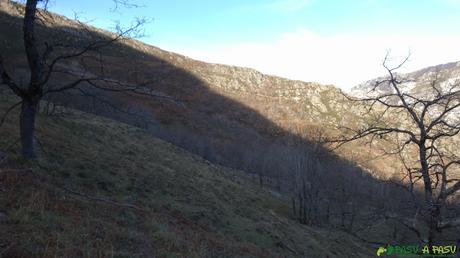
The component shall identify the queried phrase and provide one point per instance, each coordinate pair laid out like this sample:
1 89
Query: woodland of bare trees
45 60
421 130
322 189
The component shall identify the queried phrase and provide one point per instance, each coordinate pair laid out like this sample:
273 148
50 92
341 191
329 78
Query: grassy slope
186 207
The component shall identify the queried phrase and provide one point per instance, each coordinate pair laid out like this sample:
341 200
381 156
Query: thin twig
8 111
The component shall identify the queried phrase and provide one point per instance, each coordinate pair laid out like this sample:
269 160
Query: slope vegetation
105 189
235 117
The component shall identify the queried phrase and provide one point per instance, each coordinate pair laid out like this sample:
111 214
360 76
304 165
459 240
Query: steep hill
107 189
231 116
228 115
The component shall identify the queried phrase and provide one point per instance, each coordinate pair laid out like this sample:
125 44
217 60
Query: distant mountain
416 82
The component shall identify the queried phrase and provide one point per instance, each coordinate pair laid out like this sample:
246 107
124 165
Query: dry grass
105 189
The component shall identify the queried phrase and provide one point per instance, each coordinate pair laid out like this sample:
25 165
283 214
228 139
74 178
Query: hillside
235 124
106 189
219 108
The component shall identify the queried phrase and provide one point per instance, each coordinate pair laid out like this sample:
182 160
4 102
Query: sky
327 41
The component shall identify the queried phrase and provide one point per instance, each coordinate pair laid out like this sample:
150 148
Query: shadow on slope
217 128
107 189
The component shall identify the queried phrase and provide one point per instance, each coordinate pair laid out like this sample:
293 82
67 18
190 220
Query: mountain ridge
413 82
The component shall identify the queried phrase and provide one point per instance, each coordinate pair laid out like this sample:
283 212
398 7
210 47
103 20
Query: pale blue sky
205 29
208 22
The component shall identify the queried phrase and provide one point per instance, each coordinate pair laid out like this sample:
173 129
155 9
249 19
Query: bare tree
305 173
420 125
45 60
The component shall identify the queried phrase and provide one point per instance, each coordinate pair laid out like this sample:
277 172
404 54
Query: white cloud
342 60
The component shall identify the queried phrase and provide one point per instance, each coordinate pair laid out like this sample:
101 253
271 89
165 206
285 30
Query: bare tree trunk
278 182
433 224
342 218
293 206
316 207
304 199
301 208
31 97
352 219
434 211
27 128
305 207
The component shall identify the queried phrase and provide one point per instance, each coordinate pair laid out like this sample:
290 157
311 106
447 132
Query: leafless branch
6 79
8 111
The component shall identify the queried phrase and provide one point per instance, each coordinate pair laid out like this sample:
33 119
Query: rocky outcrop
417 83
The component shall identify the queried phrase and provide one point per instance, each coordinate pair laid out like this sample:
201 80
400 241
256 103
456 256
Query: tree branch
6 79
8 111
